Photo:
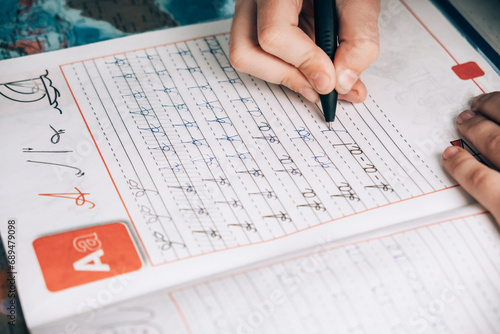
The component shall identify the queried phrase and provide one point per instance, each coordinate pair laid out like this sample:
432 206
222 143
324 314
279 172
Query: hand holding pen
274 40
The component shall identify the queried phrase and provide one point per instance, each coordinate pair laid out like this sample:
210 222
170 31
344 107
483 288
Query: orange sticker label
468 71
78 257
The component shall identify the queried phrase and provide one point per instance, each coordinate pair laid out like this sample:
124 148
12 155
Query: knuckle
487 99
493 144
369 47
477 177
287 82
237 57
293 79
306 59
268 36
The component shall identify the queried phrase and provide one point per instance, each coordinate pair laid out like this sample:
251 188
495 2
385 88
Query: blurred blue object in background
33 26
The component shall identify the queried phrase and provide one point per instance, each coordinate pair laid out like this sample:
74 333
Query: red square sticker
468 71
78 257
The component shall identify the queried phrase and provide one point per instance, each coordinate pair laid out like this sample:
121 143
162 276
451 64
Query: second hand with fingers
326 32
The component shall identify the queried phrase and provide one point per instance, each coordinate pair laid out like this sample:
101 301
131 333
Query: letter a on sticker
73 258
91 262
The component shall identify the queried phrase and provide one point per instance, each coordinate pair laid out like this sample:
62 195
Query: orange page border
259 242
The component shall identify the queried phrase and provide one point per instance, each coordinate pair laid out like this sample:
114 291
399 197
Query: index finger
247 56
279 35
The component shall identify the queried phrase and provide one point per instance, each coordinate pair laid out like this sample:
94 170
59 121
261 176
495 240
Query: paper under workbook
146 186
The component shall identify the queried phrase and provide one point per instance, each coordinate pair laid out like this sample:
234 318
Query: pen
326 31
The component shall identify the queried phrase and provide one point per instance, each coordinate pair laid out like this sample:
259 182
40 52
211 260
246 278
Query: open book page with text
438 277
151 158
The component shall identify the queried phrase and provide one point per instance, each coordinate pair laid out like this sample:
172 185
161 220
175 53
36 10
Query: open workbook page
148 162
429 277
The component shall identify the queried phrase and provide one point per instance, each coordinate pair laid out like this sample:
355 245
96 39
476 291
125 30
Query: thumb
358 41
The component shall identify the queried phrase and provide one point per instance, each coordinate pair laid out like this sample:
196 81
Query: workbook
149 187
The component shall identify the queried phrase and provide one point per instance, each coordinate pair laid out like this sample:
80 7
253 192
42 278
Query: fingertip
454 159
321 73
357 94
465 116
449 152
323 82
346 79
352 96
351 59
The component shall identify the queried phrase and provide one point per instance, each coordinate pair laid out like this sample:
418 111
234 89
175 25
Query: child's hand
274 40
481 126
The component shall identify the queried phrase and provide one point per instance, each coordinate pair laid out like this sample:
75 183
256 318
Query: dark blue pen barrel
329 104
325 31
325 21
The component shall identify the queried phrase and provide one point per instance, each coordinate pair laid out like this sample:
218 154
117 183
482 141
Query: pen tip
330 126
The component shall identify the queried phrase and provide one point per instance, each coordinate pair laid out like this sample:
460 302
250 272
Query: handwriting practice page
442 277
236 173
150 159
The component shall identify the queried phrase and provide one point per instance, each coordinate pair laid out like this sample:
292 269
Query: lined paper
443 277
213 171
206 158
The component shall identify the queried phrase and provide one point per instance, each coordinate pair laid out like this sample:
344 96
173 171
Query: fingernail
345 80
465 116
450 151
321 81
309 94
476 100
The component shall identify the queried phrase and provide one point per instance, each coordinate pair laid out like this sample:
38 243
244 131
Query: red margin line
180 312
322 250
304 229
264 241
104 162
